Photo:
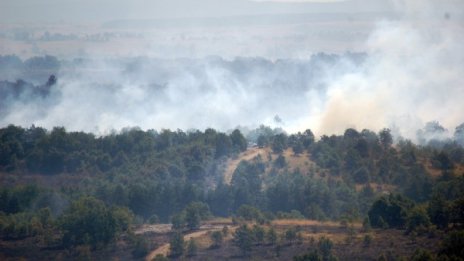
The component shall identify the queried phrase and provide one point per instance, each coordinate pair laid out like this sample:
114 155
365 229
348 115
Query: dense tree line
176 176
166 169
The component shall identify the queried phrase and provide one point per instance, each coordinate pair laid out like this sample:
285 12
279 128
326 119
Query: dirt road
249 154
164 249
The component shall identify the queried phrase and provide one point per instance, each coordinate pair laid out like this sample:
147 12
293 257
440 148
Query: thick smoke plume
413 75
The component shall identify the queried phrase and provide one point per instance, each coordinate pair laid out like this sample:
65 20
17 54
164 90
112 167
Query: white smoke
413 75
101 95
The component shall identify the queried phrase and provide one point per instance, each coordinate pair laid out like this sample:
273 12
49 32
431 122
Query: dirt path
246 155
164 249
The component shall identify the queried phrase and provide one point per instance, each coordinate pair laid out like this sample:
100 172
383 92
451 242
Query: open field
349 242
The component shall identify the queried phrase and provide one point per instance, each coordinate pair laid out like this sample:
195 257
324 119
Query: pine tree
243 238
192 247
177 244
271 236
217 238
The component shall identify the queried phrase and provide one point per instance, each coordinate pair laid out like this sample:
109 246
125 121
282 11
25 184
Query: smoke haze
399 69
180 93
412 75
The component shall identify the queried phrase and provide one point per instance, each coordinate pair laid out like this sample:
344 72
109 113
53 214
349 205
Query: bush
194 213
243 238
280 162
192 247
258 234
392 211
367 240
325 245
153 219
177 245
422 255
83 253
160 257
225 231
453 244
178 221
89 221
248 212
290 235
271 236
293 214
217 238
312 256
418 218
366 225
141 247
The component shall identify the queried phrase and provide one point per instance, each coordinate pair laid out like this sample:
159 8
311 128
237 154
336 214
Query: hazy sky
104 10
412 73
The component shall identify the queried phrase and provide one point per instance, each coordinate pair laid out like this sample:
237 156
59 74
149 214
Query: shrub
367 240
453 244
89 221
177 245
141 247
217 238
192 247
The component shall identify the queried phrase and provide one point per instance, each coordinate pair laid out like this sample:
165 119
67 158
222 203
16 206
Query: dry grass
377 187
459 170
155 228
303 222
202 238
317 229
247 155
301 162
434 172
347 245
220 221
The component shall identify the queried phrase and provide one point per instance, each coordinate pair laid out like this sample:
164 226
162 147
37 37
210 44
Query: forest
206 130
75 193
